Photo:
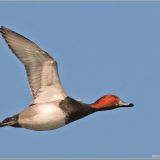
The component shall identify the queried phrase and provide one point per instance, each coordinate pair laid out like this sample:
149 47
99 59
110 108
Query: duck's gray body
45 116
38 117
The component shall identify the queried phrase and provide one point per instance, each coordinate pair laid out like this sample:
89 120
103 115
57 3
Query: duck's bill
125 104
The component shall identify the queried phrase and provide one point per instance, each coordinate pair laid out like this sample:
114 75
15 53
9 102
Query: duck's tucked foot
10 121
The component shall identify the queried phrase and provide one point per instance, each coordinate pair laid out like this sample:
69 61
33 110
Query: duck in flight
51 107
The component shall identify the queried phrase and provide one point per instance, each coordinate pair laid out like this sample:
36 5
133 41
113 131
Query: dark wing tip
4 30
1 29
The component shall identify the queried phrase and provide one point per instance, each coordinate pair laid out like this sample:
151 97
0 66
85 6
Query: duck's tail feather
2 124
10 121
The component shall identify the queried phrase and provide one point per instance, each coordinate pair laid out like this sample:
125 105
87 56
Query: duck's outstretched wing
41 68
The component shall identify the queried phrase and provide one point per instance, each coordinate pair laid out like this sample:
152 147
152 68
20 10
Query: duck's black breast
74 109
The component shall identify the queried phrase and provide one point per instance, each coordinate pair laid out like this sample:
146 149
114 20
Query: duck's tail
10 121
2 124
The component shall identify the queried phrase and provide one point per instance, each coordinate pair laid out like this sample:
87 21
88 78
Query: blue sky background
101 47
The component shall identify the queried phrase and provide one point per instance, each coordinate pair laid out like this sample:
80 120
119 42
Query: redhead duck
51 107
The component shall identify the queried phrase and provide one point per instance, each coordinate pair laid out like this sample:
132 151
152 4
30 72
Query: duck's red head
110 102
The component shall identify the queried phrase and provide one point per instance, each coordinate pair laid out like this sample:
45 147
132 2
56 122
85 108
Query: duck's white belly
42 117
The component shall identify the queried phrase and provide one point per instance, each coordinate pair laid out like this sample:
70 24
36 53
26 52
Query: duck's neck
75 109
